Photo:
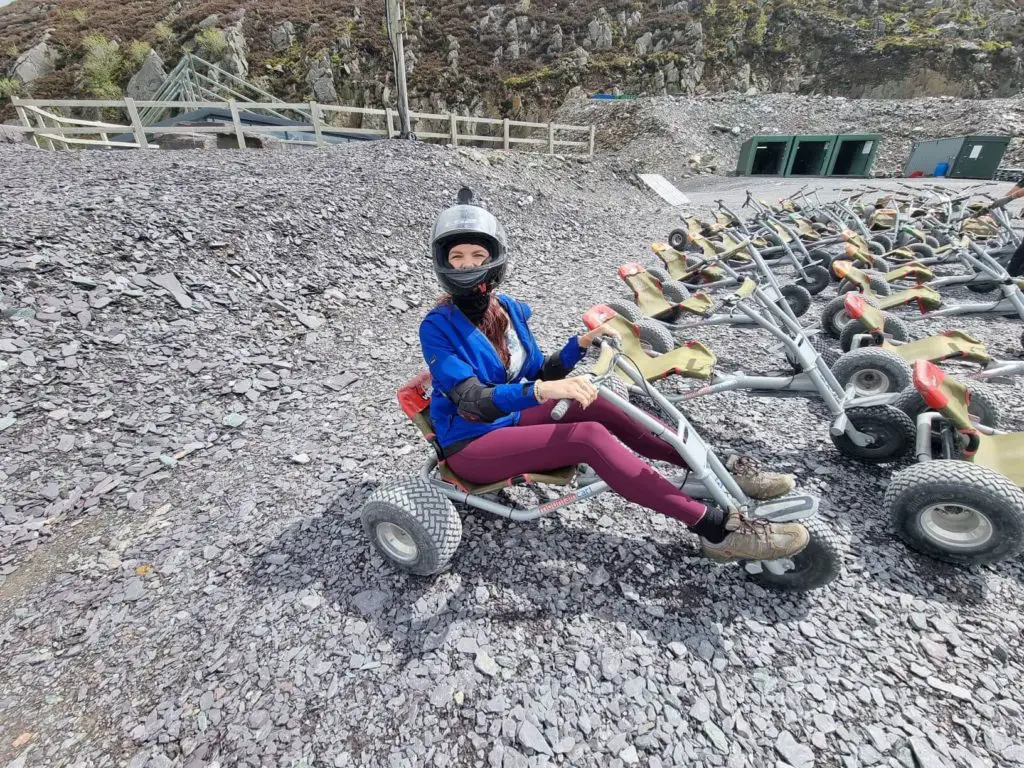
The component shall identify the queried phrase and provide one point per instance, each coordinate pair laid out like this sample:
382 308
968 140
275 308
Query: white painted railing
50 130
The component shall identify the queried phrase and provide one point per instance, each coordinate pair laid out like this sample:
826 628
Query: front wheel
678 238
798 298
892 434
816 566
957 511
413 526
816 279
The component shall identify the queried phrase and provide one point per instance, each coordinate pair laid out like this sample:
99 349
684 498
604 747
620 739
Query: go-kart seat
1002 453
650 299
692 359
414 398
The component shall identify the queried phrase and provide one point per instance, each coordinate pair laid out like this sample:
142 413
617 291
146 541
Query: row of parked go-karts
888 401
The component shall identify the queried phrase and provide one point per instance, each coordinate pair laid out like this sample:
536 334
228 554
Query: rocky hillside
522 58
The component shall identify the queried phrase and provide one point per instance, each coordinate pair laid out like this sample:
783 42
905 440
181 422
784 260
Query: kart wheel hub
955 526
397 542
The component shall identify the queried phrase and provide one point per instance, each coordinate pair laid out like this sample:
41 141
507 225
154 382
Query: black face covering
473 305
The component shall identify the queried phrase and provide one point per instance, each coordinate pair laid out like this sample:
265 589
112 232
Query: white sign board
976 151
665 189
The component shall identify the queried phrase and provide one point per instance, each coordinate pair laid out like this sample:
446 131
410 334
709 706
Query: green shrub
163 33
100 66
135 54
211 44
9 87
80 15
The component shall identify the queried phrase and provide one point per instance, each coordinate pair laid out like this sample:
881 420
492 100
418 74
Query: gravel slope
209 359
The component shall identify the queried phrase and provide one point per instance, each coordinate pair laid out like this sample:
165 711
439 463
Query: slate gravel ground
199 354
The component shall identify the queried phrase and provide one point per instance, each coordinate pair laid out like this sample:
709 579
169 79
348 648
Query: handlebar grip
560 408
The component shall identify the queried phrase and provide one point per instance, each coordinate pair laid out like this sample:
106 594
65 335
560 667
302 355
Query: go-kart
414 525
963 502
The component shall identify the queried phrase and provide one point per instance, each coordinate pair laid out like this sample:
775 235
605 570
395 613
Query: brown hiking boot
756 540
755 482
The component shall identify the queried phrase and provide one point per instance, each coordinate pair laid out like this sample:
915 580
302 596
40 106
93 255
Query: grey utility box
961 157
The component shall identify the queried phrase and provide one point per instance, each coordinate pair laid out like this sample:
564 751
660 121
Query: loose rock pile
199 354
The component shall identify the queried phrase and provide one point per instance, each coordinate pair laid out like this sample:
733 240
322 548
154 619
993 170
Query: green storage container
809 155
764 156
966 157
853 155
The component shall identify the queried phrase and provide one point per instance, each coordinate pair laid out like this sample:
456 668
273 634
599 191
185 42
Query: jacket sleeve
448 370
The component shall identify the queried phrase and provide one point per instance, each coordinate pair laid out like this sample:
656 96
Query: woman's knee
593 437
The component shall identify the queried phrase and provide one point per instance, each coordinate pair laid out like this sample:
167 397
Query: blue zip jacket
456 350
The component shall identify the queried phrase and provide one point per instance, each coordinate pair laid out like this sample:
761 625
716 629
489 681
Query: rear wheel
413 526
872 371
892 434
922 250
876 281
818 564
894 327
674 291
655 336
876 248
625 309
957 511
982 407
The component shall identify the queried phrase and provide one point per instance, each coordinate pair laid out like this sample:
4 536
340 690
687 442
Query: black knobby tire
894 326
674 291
893 434
873 371
981 494
426 517
883 240
625 309
798 298
876 248
834 317
656 336
876 280
983 406
922 250
678 239
819 564
880 266
822 345
658 274
932 241
823 259
985 286
816 279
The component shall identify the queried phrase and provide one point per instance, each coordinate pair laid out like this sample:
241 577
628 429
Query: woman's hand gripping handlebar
580 389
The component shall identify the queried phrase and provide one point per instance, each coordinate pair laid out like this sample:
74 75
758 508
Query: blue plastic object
942 169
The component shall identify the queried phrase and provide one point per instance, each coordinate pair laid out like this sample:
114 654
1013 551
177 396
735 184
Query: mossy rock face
540 51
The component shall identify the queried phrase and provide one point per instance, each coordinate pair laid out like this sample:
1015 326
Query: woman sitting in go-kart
493 393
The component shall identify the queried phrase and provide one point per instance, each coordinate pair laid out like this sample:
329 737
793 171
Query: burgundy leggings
588 436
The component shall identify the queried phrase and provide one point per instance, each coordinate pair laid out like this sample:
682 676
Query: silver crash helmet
468 224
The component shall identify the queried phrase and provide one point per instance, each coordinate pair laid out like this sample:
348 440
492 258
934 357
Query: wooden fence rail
50 130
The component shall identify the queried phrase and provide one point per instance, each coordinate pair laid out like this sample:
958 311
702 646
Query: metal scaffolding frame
195 80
